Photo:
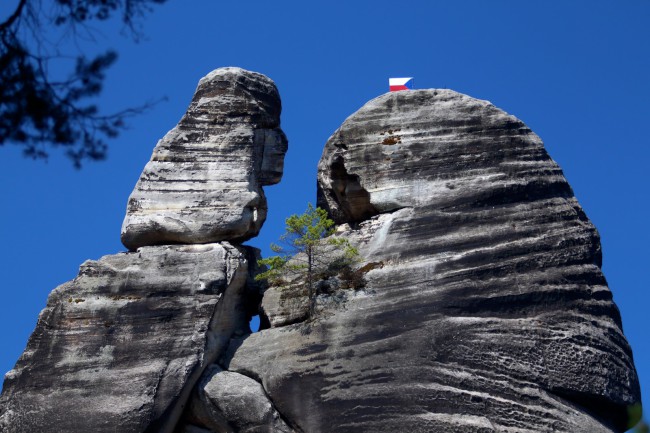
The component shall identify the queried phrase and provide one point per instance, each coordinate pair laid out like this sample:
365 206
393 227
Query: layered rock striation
479 304
204 180
117 348
485 308
121 347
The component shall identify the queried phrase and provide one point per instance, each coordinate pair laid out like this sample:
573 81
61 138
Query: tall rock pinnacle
121 347
484 307
479 304
204 180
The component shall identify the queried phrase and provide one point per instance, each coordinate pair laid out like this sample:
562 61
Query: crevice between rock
256 378
229 318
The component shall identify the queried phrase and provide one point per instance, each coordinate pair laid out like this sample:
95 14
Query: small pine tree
304 250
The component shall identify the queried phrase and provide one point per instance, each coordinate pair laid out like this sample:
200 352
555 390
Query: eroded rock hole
353 200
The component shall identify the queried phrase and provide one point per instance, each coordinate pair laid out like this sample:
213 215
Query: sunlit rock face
478 305
120 347
231 402
204 180
486 308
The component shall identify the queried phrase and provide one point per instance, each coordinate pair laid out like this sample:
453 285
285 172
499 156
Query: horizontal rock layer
120 347
204 180
486 309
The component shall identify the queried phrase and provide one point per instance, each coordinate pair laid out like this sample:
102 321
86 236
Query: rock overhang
205 177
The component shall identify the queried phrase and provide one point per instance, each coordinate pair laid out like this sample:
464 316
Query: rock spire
484 307
204 180
121 347
479 304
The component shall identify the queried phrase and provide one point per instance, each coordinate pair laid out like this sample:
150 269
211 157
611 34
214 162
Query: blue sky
576 72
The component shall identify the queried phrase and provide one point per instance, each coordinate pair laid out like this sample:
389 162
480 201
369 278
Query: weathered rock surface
285 305
484 308
489 311
120 347
227 402
204 180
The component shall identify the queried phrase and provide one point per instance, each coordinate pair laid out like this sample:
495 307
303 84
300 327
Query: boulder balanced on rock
120 348
483 306
204 180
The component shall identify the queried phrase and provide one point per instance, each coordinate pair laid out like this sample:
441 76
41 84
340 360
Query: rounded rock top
204 180
425 147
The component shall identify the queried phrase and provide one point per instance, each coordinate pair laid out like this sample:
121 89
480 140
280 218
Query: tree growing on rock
307 248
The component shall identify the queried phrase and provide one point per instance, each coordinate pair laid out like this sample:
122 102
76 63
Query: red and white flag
396 84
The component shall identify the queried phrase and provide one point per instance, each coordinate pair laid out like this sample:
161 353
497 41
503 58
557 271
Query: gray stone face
487 309
482 308
204 180
285 305
120 347
227 402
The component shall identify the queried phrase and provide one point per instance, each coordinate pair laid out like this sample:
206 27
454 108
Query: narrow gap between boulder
255 323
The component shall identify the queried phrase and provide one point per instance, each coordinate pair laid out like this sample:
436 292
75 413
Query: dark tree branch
37 112
14 16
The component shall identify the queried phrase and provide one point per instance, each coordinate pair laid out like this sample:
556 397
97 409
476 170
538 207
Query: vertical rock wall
114 349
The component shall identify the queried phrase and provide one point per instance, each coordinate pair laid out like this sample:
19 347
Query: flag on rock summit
396 84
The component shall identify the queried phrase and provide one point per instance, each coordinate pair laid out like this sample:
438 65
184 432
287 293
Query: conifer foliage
307 247
39 109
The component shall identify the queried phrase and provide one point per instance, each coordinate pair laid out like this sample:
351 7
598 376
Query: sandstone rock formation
204 180
480 305
116 348
488 311
120 348
231 402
